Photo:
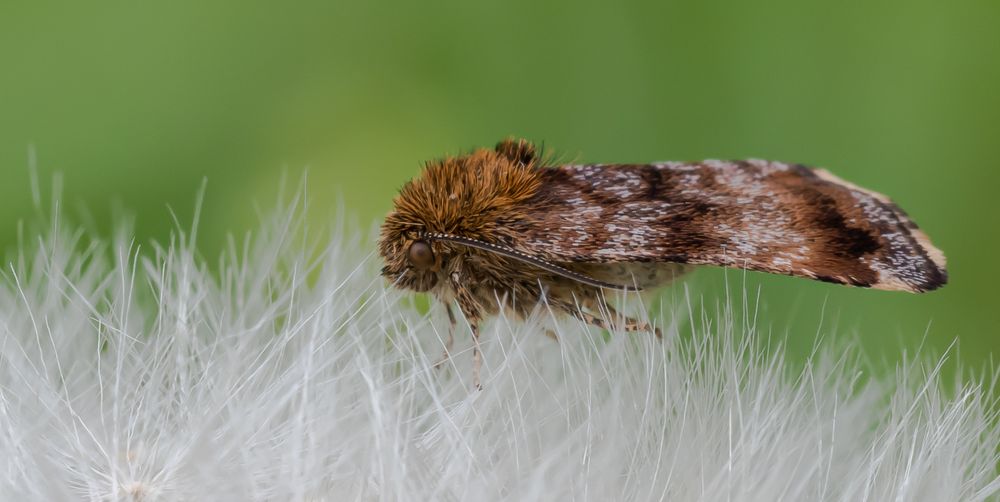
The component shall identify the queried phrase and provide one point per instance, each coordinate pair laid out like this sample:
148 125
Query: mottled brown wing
765 216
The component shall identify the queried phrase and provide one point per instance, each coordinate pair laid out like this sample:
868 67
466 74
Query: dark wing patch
765 216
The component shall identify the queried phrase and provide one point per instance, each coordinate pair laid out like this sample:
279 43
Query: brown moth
499 229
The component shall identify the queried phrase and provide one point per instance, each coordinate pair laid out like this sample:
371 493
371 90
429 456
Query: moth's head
475 196
411 262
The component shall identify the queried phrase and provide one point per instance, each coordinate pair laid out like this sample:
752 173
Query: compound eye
421 255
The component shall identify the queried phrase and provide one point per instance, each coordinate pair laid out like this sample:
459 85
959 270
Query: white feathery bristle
145 374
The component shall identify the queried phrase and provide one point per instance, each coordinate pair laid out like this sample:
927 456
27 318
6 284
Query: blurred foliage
136 102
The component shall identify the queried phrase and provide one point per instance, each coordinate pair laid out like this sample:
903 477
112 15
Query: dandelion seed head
141 373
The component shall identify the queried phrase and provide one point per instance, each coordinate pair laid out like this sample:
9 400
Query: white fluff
142 374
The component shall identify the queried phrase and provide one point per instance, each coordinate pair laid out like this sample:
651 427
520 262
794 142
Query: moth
499 229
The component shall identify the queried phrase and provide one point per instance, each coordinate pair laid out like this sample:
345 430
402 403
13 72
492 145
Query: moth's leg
630 325
477 357
552 334
573 310
451 337
470 308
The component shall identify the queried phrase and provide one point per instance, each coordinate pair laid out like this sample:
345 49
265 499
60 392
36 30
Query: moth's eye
421 255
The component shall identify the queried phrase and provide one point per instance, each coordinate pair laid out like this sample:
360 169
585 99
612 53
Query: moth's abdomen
641 275
766 216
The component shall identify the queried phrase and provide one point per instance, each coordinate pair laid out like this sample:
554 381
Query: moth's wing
765 216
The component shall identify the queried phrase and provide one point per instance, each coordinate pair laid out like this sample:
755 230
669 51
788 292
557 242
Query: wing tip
932 252
895 284
934 276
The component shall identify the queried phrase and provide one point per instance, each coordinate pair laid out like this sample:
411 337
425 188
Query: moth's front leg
451 337
473 313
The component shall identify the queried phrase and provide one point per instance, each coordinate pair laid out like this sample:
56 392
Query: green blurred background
137 102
